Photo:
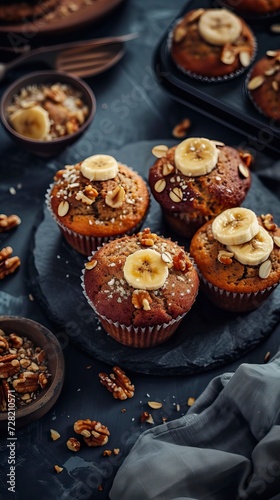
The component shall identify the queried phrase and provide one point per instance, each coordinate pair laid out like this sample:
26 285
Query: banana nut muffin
96 200
238 258
140 287
253 7
17 11
212 44
263 85
196 180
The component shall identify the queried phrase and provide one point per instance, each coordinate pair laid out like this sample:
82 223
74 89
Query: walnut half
118 383
93 432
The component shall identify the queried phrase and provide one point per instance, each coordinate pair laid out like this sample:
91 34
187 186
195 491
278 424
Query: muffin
196 180
263 85
212 44
238 258
140 287
17 11
96 200
253 7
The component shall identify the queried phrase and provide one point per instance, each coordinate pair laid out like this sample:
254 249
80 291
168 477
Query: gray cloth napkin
227 446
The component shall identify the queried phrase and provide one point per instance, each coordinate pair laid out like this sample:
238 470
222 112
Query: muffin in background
253 7
238 259
212 44
263 85
140 287
196 180
96 200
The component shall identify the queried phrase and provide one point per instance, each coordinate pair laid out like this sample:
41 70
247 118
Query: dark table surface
131 108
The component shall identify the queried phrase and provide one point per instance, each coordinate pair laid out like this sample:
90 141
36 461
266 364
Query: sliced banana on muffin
239 230
196 156
219 26
145 270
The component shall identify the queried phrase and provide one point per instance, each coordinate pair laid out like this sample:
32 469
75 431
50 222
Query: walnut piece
93 432
26 382
8 264
73 444
118 383
141 299
181 262
7 222
115 198
9 365
181 130
268 223
147 238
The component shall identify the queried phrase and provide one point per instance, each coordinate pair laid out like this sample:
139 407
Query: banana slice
235 226
196 156
33 122
219 26
99 167
145 270
255 251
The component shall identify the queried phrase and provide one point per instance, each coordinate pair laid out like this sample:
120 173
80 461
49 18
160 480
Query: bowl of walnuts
31 371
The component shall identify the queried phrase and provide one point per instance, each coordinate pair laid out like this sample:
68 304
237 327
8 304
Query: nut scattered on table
93 432
181 129
8 222
8 264
117 383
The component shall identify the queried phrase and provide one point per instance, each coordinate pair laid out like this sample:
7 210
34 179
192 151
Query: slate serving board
207 337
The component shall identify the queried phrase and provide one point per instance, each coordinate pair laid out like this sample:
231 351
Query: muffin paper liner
210 79
131 336
235 301
87 244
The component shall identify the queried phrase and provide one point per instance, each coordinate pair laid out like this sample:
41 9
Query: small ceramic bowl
40 337
42 148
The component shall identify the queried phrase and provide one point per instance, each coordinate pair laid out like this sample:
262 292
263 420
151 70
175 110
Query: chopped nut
159 151
176 194
63 208
90 264
275 28
195 15
178 407
147 238
144 416
150 419
268 222
246 157
167 169
58 469
243 170
80 196
141 299
7 222
227 55
155 405
54 434
116 451
275 85
181 262
276 240
179 33
190 401
244 58
180 130
9 365
115 198
107 453
91 192
225 257
26 382
4 344
73 444
265 269
118 383
160 185
8 264
94 433
256 82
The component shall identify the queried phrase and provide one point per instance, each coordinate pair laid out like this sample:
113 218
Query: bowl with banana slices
47 111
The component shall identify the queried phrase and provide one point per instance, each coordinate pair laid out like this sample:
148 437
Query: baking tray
227 101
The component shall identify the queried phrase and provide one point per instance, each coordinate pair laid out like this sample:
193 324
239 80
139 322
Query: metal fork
85 58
